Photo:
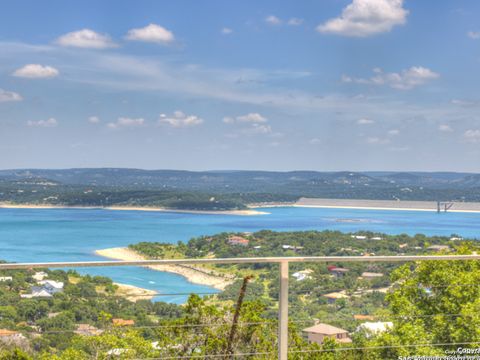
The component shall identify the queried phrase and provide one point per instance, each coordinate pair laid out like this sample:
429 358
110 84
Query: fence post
283 312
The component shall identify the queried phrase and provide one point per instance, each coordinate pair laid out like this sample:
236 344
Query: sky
270 85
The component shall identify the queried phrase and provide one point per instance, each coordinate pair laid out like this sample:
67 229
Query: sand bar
192 274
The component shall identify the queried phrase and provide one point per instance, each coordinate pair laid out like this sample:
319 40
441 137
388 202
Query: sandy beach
192 274
134 293
248 212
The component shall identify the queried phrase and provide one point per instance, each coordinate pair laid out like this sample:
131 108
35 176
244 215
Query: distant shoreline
389 205
195 276
247 212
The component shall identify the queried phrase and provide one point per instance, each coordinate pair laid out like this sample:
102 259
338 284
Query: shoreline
134 293
193 275
247 212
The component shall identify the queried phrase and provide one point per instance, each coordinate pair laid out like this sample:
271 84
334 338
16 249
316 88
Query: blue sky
273 85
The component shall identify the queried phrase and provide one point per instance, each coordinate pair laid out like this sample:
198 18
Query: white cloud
86 38
52 122
475 35
180 119
314 141
366 17
124 122
6 96
365 121
151 33
404 80
273 20
295 21
252 118
445 128
258 129
472 136
461 102
394 132
226 31
93 119
36 71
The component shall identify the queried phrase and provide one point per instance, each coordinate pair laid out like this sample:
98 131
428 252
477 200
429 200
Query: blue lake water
45 235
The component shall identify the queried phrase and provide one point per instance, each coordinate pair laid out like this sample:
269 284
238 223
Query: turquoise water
37 235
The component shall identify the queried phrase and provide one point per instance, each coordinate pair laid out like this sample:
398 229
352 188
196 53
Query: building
123 322
37 292
87 330
40 275
319 332
5 278
238 240
371 275
439 247
333 297
292 247
52 286
374 328
337 271
302 274
12 337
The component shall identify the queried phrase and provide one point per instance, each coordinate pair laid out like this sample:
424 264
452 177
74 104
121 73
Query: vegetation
426 302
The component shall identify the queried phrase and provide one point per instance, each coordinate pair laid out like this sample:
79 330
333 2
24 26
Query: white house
52 286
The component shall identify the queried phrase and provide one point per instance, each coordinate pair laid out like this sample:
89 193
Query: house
51 286
292 247
402 246
40 275
238 240
5 278
302 274
455 238
123 322
370 275
334 296
377 238
359 237
439 247
37 292
12 337
374 328
87 330
318 333
337 271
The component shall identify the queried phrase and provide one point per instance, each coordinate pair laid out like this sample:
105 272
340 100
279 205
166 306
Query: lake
46 235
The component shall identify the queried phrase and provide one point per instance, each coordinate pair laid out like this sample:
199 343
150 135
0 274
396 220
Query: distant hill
238 187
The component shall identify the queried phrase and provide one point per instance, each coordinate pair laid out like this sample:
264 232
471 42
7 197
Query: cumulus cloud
36 71
363 18
226 31
273 20
405 80
179 119
125 122
86 38
6 96
52 122
93 119
151 33
472 135
252 118
475 35
445 128
365 121
258 129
